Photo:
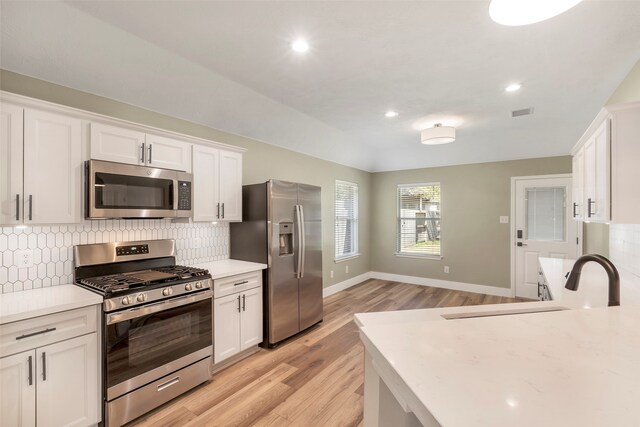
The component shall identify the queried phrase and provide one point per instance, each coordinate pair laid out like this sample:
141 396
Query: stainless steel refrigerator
281 227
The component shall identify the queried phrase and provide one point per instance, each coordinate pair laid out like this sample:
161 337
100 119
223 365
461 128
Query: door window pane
545 214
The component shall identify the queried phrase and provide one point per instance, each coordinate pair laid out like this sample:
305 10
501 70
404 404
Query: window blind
419 216
346 211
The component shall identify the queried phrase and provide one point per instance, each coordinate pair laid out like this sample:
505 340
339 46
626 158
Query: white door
167 153
11 163
114 144
226 313
206 171
251 319
543 227
231 185
52 168
68 382
18 389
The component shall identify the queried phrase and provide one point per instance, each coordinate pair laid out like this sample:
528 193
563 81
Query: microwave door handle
176 195
144 153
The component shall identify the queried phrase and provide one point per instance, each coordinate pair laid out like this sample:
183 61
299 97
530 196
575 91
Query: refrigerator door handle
298 237
303 242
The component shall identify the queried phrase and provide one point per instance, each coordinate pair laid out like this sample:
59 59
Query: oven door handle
156 307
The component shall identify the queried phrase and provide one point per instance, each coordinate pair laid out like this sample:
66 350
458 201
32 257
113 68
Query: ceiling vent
523 112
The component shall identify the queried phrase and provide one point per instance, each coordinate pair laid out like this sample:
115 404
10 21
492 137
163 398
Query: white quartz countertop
22 305
230 267
593 287
563 368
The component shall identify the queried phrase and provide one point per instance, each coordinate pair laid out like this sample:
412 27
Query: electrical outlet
446 269
23 259
346 269
331 274
504 220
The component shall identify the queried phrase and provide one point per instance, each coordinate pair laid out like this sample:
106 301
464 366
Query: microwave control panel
184 195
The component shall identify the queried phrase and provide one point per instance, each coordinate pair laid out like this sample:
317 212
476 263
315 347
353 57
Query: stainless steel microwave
117 190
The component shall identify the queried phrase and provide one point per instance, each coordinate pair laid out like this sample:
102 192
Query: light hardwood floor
314 379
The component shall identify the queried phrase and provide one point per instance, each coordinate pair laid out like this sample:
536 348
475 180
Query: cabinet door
68 383
114 144
52 168
226 313
167 153
601 211
11 162
231 185
251 318
206 171
578 202
18 389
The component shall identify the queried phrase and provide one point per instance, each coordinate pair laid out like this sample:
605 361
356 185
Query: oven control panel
184 195
132 250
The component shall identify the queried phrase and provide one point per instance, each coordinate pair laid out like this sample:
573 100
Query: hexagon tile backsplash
52 246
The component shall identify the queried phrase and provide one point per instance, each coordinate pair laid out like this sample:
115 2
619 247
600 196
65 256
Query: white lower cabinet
52 383
237 314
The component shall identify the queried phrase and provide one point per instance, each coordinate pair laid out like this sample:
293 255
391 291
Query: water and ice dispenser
285 238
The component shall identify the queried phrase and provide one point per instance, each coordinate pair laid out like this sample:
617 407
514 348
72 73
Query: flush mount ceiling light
438 134
524 12
391 114
300 45
514 87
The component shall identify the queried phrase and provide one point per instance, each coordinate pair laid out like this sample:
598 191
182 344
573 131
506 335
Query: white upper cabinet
605 169
115 144
41 175
217 183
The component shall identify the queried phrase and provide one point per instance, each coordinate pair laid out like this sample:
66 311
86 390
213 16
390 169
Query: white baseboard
345 284
456 286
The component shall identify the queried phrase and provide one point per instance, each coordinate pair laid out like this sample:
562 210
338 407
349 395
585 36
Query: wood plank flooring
314 379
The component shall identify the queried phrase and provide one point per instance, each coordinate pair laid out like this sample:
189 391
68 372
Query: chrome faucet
612 273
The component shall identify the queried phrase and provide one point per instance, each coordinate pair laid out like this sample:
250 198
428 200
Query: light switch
504 220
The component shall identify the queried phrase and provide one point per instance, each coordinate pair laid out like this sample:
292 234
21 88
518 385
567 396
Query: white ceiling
228 65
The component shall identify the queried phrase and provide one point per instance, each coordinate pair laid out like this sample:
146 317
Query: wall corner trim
346 284
436 283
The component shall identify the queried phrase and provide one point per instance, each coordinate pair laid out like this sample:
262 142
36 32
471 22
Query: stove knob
188 287
167 291
199 285
126 300
141 297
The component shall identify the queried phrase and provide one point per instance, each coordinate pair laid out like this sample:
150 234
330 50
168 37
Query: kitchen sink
502 312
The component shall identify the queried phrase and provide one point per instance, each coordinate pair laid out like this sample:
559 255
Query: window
346 220
419 207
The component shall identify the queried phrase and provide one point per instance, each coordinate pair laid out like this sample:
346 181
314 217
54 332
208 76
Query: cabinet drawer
28 334
238 283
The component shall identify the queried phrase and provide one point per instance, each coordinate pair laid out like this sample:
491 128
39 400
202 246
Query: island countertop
574 367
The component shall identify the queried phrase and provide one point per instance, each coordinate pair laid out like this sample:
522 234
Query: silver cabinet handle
241 283
44 366
223 210
30 370
30 207
218 208
144 153
168 384
243 302
17 207
238 303
33 334
150 152
589 203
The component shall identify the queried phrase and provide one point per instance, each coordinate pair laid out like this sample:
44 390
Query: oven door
116 190
148 342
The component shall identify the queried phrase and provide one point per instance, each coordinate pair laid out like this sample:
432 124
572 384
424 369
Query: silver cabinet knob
167 291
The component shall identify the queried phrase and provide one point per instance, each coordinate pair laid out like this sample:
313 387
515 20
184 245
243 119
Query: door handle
575 205
218 213
17 207
589 203
521 244
168 384
223 210
30 207
44 366
30 370
150 152
238 303
303 249
144 153
243 302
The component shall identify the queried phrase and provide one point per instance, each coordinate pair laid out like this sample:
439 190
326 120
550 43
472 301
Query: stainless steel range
157 331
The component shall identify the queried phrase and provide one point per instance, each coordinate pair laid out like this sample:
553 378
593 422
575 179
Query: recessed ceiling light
391 114
524 12
513 87
300 45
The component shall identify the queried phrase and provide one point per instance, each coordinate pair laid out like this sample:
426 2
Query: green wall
475 246
629 89
261 162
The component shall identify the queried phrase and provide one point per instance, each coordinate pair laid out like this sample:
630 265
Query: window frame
399 252
355 220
